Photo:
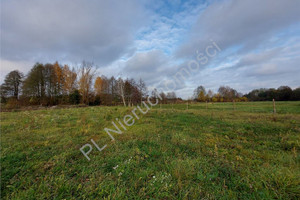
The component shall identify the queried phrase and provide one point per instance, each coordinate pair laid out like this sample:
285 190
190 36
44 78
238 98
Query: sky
170 44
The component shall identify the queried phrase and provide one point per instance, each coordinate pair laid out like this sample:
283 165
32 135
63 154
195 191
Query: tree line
53 84
283 93
224 94
228 94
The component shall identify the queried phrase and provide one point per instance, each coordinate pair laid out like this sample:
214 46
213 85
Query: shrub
12 104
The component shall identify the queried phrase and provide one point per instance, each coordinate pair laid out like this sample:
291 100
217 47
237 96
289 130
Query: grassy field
199 153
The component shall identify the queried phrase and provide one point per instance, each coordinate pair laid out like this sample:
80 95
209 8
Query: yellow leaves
69 79
201 96
239 158
98 85
59 73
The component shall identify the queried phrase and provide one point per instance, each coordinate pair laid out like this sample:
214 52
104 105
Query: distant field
169 153
282 107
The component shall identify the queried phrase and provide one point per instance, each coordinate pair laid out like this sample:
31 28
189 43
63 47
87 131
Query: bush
243 99
12 104
74 97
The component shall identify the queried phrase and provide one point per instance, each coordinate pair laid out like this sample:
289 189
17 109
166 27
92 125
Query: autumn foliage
53 84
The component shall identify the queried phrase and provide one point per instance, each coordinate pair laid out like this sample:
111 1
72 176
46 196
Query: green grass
213 153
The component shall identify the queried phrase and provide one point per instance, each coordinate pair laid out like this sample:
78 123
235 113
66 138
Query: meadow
203 152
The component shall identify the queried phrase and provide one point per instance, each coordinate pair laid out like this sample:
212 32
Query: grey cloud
125 38
147 62
147 65
246 23
250 59
274 67
71 30
154 67
266 69
254 53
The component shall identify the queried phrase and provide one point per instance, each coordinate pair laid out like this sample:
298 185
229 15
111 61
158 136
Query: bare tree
121 90
200 90
69 79
86 75
228 93
171 95
142 89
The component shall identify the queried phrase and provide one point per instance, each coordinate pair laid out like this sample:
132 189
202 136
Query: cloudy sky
258 41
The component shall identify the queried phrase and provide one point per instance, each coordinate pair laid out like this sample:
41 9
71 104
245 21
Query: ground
169 153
